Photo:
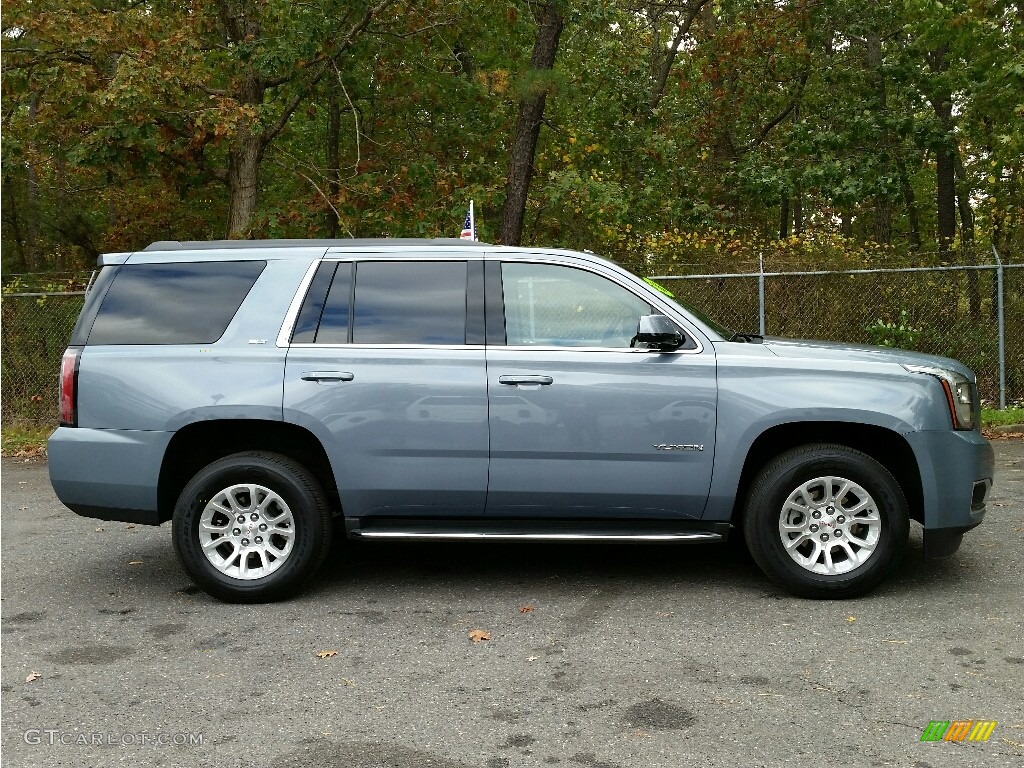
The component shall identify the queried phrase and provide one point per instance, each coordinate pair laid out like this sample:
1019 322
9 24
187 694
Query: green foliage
120 122
993 417
897 333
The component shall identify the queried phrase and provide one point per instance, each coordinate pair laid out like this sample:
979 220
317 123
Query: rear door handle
525 380
325 376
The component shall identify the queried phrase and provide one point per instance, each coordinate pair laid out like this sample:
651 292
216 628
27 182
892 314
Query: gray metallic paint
410 434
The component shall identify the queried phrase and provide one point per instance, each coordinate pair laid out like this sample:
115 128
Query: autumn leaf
851 619
32 676
134 562
326 654
477 635
527 608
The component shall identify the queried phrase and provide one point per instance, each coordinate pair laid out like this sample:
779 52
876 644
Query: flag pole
472 219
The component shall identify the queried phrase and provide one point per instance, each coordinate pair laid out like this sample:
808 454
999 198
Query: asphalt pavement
599 655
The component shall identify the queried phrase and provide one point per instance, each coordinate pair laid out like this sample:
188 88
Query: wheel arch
886 446
198 444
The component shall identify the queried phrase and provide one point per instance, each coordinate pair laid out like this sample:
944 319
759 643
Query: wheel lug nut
814 527
816 514
830 509
841 519
241 518
838 533
236 531
245 542
259 539
254 517
824 537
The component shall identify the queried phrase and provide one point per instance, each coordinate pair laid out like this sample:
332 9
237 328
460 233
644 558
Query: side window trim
474 308
494 304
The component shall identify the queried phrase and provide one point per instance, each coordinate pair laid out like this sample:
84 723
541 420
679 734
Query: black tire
311 529
764 514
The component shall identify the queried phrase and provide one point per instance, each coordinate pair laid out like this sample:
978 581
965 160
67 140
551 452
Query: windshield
723 331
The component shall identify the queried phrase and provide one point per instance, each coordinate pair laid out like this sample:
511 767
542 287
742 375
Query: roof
376 243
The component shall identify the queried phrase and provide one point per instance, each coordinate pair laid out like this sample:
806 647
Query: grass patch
23 440
993 417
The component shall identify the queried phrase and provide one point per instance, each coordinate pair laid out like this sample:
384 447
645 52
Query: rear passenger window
408 302
399 302
181 303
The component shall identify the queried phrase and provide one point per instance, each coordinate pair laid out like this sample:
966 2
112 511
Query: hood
818 350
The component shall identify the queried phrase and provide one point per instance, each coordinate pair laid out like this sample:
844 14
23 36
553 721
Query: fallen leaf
326 654
851 619
346 681
98 530
130 525
531 658
23 508
896 642
476 635
134 562
527 608
32 676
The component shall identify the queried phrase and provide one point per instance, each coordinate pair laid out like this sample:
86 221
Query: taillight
69 387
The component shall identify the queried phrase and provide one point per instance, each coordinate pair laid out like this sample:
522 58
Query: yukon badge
673 447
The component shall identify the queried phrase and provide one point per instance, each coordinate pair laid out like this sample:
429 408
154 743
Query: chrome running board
513 536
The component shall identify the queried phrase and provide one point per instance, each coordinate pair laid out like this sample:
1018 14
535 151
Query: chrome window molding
565 260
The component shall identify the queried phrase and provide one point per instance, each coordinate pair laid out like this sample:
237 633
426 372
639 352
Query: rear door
581 423
386 365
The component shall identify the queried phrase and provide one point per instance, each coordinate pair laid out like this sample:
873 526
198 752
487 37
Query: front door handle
525 380
325 376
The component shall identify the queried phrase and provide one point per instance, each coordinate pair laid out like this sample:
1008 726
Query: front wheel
826 521
252 527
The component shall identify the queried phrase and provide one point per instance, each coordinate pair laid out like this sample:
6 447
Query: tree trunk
798 211
527 131
883 205
910 201
333 160
945 182
784 218
243 184
967 236
883 219
12 222
846 224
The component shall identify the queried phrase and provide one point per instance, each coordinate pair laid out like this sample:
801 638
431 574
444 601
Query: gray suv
262 395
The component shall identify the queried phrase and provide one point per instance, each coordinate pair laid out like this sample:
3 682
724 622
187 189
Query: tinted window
408 302
334 322
313 305
549 305
184 303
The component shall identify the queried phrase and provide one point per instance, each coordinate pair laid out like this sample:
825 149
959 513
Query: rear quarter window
179 303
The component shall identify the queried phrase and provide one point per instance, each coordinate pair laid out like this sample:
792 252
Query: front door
581 423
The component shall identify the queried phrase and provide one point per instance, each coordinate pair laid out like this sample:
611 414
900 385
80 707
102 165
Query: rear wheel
252 527
826 521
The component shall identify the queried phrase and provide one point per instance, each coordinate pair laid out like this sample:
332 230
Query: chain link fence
951 311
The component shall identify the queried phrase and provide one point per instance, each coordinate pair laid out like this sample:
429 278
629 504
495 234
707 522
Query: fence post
760 293
1001 321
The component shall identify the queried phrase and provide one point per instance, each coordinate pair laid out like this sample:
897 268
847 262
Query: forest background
703 134
677 138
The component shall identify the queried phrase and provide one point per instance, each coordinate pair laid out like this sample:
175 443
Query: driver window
554 306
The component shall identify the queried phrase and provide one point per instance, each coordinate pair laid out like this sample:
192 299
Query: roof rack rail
396 242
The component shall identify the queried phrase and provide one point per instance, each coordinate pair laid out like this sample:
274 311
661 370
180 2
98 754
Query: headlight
959 393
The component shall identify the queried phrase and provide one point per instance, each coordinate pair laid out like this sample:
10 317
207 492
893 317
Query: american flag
469 225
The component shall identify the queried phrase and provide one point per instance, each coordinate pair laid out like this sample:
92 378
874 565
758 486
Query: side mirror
658 332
